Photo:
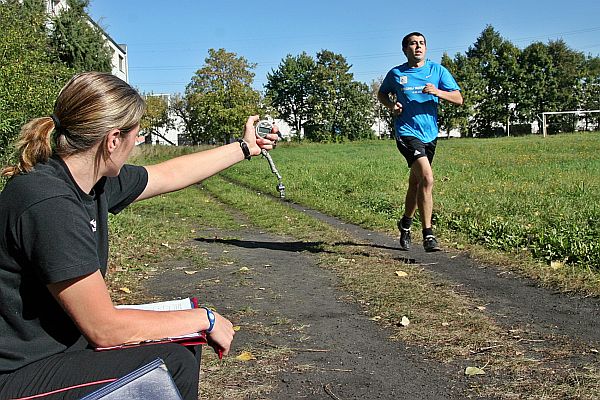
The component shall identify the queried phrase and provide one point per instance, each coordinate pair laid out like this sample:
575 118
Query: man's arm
395 108
384 98
454 97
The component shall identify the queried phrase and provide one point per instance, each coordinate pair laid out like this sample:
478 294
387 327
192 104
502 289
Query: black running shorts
412 148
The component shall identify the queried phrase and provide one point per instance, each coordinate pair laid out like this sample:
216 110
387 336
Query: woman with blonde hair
54 304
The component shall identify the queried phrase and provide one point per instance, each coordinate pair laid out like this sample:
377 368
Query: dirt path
513 300
280 297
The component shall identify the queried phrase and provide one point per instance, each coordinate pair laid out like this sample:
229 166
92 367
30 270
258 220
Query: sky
168 41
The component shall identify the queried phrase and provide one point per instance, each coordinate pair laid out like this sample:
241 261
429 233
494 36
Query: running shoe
430 244
404 237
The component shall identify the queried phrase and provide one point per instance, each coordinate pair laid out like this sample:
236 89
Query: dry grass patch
234 379
456 330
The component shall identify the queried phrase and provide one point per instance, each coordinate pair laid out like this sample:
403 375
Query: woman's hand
221 336
256 144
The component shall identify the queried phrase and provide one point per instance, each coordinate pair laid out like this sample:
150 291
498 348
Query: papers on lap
171 305
190 339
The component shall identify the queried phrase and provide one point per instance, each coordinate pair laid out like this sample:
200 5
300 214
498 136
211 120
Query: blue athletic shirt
419 110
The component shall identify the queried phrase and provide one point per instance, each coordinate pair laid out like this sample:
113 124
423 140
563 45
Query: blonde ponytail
34 146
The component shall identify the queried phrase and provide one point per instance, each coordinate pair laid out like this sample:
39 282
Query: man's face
416 48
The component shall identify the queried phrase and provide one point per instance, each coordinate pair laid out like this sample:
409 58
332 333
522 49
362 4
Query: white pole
379 121
544 124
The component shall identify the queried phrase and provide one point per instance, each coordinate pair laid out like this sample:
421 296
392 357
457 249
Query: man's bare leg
410 207
423 172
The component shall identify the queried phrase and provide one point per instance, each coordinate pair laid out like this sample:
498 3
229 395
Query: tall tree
340 107
451 116
79 42
220 96
497 62
538 72
569 68
289 88
591 90
356 113
509 94
568 71
30 73
553 79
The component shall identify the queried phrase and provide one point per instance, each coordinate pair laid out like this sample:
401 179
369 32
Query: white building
120 66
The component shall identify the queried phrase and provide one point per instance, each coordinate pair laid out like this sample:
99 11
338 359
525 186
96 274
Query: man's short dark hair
405 39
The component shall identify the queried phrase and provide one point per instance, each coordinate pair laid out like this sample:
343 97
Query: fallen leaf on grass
594 351
401 274
376 318
245 356
244 269
481 308
166 245
470 371
445 324
190 272
125 290
556 265
405 321
236 328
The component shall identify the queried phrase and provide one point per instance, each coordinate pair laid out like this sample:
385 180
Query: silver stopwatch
263 128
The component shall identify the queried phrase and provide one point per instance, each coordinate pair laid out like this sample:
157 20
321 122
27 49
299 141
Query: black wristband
245 149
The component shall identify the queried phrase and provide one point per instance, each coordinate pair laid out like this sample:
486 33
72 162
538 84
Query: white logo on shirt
403 80
93 225
417 153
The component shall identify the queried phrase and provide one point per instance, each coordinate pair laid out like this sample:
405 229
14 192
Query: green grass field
525 194
519 195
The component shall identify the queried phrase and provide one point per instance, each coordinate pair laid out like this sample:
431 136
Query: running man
417 86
